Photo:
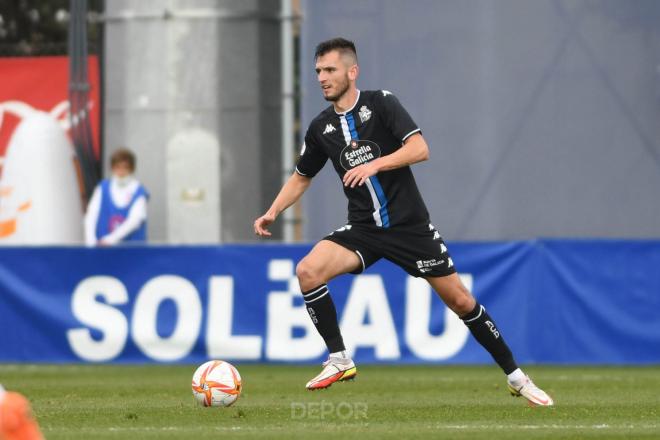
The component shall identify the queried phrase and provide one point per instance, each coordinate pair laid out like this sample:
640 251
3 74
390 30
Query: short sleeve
312 157
395 117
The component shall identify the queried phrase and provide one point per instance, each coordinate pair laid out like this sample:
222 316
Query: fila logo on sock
493 329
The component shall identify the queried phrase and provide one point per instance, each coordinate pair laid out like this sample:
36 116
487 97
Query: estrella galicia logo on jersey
358 152
365 114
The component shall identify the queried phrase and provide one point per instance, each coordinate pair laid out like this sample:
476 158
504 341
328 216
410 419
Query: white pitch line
154 429
437 426
553 426
173 428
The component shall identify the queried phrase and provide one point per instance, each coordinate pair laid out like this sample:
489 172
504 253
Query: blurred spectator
16 420
117 211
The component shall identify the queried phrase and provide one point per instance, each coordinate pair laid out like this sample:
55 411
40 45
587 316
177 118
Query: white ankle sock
339 354
516 377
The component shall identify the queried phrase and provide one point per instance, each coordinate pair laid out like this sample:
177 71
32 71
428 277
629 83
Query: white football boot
535 396
334 370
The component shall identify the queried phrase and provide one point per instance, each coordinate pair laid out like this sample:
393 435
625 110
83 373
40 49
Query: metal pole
78 95
286 42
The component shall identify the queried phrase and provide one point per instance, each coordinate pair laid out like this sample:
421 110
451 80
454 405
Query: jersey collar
352 107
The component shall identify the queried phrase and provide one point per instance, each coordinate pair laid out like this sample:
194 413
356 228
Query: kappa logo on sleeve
329 129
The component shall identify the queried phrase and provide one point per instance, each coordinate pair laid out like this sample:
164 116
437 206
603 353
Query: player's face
334 75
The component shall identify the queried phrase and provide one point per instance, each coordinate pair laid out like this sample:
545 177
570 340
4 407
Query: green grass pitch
457 402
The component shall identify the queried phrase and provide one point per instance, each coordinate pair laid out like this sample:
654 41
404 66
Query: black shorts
419 250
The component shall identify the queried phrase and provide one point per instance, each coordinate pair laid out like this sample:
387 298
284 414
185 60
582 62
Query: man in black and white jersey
372 141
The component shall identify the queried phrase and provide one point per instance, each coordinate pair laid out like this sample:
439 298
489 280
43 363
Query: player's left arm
414 149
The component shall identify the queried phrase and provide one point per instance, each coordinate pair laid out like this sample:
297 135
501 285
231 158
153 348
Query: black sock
322 310
483 329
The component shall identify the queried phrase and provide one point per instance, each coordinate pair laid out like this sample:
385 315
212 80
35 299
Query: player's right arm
311 160
292 190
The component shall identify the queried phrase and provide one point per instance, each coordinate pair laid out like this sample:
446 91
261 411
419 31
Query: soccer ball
216 383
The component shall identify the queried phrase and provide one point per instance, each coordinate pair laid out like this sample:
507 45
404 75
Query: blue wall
541 116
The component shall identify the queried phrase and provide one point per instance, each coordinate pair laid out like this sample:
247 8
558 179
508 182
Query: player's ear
353 72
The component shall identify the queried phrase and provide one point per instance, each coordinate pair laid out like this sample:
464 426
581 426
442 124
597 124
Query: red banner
40 184
43 84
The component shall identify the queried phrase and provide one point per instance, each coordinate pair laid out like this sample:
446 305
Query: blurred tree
39 27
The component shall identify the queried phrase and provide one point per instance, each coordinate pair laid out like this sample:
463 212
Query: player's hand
359 175
260 225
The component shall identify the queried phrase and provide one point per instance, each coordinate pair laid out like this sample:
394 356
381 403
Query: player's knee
308 275
461 302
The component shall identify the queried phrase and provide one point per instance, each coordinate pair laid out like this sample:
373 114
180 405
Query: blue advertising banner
555 301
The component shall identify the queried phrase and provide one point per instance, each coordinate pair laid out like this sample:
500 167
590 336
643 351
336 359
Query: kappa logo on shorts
436 236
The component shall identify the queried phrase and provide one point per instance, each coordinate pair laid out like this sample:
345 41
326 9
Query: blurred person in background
16 420
117 211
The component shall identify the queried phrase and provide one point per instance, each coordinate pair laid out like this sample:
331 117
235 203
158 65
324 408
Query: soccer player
117 210
372 141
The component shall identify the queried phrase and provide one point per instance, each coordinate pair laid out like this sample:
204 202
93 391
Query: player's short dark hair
339 44
123 155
